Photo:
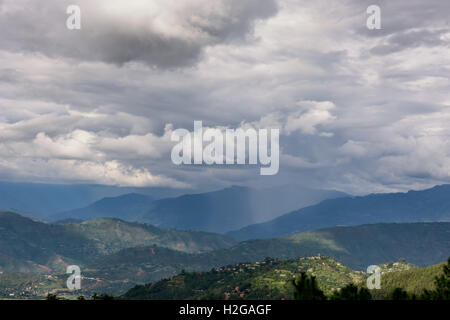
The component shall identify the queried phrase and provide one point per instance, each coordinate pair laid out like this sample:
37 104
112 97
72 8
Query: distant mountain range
218 211
245 213
230 208
413 206
43 200
130 207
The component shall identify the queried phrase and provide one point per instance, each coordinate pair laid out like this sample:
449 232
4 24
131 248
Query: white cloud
75 145
310 116
108 172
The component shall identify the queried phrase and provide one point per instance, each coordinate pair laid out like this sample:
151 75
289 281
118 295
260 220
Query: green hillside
413 280
269 279
111 235
15 285
31 246
357 247
422 244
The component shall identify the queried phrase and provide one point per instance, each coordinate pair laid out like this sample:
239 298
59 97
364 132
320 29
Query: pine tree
352 292
306 288
399 294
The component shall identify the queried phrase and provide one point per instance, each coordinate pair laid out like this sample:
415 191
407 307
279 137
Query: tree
442 286
399 294
306 288
106 296
52 297
352 292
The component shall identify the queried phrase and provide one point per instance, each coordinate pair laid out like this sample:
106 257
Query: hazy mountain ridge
230 208
45 199
216 211
413 206
127 207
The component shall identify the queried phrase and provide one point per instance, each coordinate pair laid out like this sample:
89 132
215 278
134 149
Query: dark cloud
109 35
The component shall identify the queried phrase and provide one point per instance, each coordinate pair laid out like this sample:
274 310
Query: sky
358 110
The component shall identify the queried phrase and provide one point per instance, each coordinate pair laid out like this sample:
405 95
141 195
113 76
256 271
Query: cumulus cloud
310 115
85 156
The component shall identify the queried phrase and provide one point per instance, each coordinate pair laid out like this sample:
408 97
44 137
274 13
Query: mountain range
42 200
246 213
130 207
217 211
413 206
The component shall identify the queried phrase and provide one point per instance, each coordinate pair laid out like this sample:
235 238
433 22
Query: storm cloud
159 33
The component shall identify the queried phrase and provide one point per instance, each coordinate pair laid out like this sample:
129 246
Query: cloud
108 173
82 156
75 145
412 39
161 33
304 117
310 116
359 110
